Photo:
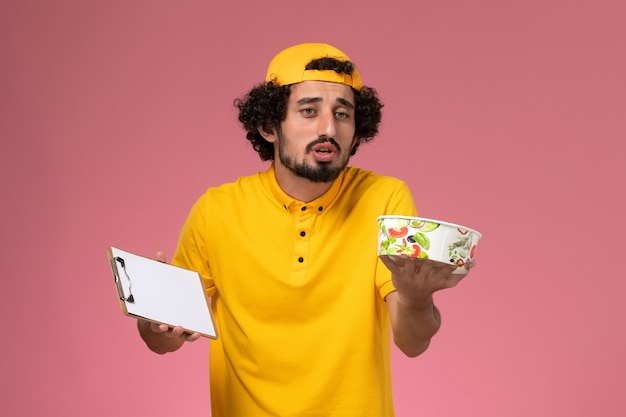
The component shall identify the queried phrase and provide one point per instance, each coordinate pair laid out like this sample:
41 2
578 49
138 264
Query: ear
353 147
271 136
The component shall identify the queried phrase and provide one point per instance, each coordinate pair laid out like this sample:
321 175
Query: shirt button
301 259
320 208
303 208
302 234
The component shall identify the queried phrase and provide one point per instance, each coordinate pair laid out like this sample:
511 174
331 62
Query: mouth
324 149
324 152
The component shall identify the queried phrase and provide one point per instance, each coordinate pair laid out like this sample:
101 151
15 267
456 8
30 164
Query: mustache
323 139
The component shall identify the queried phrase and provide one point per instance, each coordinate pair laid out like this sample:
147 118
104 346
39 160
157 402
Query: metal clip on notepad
118 281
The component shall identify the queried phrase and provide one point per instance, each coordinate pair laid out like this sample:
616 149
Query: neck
297 187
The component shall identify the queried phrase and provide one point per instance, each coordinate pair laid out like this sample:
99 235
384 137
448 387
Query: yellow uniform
297 294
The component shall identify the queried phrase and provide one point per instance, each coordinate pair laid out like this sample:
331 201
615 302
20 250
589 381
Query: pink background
506 116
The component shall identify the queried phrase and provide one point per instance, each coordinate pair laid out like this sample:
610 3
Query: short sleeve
191 251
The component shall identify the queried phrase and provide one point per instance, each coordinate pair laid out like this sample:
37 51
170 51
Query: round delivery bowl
418 237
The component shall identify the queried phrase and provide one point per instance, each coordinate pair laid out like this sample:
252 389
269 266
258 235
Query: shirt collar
290 203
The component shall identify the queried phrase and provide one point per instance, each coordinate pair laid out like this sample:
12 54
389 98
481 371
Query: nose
326 125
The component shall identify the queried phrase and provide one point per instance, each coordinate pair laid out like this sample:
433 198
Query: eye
342 115
308 111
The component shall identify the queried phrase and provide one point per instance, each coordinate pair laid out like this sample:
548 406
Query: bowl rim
425 219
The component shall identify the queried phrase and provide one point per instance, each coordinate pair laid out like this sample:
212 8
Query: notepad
161 293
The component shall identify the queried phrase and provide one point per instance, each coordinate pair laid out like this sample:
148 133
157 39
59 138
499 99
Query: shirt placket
305 215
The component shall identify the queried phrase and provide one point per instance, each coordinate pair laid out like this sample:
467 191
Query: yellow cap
288 67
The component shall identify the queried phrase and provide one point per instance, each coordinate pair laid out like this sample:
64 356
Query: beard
321 171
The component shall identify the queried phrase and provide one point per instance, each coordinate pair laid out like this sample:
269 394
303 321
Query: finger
391 262
399 261
433 270
176 331
192 337
443 268
160 256
159 328
454 279
426 267
471 265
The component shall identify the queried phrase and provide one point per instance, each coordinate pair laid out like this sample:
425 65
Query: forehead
326 91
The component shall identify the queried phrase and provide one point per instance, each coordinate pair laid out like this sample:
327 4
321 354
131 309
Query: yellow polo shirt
297 292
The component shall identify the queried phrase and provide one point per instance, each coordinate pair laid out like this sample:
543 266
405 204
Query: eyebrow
306 100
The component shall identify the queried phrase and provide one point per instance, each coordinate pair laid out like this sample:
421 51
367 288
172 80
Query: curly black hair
264 107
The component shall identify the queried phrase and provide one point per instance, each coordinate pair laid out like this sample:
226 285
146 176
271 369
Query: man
302 304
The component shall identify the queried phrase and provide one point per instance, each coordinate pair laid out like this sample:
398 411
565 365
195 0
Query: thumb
160 256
